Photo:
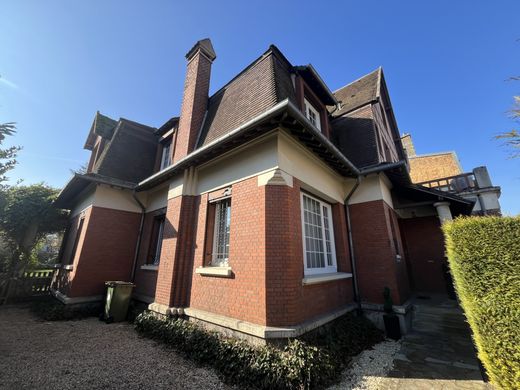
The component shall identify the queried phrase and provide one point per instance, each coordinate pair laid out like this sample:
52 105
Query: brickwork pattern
424 168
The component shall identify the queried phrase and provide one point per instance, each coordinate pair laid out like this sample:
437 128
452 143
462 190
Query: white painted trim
267 332
150 267
68 267
328 269
323 278
214 271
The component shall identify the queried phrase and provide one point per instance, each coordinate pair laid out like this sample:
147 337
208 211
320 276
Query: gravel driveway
89 354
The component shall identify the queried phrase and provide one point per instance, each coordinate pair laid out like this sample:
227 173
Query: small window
76 241
154 254
221 233
318 236
312 114
166 158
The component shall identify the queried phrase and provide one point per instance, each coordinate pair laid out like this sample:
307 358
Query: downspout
139 235
355 285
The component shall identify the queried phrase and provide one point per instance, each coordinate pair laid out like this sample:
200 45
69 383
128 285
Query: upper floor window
312 114
318 236
166 158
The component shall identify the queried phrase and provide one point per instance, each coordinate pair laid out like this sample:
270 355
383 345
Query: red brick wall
105 251
243 295
266 256
288 301
375 253
425 249
177 251
194 104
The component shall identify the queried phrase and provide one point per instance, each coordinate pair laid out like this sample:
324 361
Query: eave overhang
317 84
283 115
79 183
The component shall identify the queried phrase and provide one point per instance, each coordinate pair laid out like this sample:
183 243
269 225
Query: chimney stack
195 97
406 140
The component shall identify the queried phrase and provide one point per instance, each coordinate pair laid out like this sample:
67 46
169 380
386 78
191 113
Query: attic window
312 114
166 158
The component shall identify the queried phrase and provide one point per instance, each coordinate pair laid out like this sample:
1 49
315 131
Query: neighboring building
443 171
266 210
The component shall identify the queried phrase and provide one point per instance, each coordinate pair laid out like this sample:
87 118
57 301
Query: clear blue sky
445 62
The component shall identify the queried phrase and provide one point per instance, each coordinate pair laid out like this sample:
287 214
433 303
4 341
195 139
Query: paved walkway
438 353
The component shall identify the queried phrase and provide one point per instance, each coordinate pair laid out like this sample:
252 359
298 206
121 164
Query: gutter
139 236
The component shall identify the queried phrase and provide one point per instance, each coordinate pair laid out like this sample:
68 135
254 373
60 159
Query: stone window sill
150 267
323 278
214 271
68 267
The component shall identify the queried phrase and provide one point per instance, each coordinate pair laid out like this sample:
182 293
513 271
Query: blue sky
446 64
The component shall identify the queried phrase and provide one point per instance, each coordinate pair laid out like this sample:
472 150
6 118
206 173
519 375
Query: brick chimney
195 98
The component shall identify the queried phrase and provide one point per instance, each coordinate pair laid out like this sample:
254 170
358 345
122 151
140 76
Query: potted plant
392 327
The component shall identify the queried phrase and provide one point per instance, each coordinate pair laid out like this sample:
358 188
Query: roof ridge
358 79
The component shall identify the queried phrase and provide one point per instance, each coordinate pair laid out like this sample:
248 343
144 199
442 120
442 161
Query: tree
27 215
7 156
511 139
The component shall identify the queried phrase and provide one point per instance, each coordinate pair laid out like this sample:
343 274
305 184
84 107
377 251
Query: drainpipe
351 246
139 235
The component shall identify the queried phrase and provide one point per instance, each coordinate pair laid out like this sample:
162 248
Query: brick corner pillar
172 292
195 98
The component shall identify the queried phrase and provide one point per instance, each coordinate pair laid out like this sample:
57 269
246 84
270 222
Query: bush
52 310
484 257
299 365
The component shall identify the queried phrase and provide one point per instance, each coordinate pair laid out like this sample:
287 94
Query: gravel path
89 354
370 367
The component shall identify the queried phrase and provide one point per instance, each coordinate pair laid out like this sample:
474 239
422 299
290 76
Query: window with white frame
318 236
166 158
312 114
154 254
221 232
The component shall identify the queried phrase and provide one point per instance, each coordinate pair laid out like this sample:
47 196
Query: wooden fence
33 283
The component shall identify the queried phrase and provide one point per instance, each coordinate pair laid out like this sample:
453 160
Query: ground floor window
154 254
76 240
318 236
221 232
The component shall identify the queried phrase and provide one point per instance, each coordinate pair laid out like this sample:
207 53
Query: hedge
484 258
299 365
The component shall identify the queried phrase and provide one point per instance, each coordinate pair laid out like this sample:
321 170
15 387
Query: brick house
265 210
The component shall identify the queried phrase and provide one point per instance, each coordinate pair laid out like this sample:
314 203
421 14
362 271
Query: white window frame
309 108
165 157
327 269
215 261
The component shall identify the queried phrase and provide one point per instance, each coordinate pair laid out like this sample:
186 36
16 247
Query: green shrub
484 257
299 365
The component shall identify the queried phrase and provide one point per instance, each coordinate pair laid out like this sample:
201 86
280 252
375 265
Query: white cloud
10 84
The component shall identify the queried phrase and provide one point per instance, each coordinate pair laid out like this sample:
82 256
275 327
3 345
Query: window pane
158 247
222 228
326 225
313 230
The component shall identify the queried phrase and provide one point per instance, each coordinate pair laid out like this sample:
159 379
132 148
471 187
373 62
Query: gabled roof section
170 124
359 93
130 153
102 126
259 87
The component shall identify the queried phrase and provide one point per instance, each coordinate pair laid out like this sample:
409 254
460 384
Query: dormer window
166 158
312 114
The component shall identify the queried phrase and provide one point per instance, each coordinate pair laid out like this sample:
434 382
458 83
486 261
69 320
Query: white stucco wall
373 187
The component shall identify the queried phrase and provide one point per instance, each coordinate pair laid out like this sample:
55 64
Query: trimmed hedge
484 257
299 365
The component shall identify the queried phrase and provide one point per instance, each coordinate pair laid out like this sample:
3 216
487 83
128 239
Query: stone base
75 300
374 312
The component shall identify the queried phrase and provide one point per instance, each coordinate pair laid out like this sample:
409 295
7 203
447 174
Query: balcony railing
453 184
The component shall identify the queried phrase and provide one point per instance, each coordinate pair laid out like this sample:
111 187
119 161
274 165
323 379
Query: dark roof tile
358 93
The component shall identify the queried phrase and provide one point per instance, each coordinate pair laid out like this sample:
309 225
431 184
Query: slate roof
259 87
358 93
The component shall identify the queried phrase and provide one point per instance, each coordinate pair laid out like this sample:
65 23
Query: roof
358 93
102 126
259 87
283 115
79 182
167 126
318 86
